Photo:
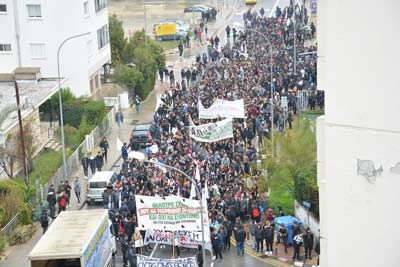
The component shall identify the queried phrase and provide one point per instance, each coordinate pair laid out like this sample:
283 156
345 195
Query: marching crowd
239 70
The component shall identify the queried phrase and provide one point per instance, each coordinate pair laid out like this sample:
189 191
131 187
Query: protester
44 220
104 147
308 238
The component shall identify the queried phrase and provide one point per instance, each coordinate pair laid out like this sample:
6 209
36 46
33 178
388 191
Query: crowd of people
241 69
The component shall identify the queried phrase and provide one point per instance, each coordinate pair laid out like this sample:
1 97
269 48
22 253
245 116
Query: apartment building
32 31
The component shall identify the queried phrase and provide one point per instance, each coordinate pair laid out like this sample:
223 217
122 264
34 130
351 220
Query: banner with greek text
187 239
169 213
212 132
222 109
144 261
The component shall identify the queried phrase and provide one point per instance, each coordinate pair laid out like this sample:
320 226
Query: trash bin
288 223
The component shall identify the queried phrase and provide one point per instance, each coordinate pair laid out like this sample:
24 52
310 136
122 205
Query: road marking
254 255
273 8
154 250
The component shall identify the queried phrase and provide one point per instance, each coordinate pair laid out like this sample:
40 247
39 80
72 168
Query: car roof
101 176
142 127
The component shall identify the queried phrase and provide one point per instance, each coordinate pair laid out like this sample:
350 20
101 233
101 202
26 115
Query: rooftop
32 93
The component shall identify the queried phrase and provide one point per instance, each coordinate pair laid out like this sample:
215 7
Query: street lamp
239 25
142 158
60 100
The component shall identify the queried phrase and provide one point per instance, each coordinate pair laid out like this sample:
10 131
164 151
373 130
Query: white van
97 184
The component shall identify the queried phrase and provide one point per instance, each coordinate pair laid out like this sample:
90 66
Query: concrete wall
359 137
300 212
60 19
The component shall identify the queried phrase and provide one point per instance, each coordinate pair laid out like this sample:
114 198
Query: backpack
43 220
256 212
63 202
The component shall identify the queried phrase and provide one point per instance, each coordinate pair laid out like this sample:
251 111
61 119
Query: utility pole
145 21
21 135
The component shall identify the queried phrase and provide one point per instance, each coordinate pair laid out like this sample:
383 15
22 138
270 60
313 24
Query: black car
140 135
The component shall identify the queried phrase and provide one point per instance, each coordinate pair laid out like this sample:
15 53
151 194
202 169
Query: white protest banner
144 261
169 213
222 109
158 237
212 132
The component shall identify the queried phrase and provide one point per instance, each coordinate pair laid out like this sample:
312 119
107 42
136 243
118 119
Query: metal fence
9 229
73 162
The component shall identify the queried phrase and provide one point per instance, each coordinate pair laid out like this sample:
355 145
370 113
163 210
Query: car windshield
97 185
139 133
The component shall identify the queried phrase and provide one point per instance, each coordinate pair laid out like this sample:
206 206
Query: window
5 47
102 36
3 8
34 11
86 8
100 5
38 51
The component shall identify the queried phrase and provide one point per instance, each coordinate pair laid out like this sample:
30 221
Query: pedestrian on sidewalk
180 47
269 238
92 163
68 188
137 103
124 152
77 190
283 236
297 242
308 243
260 238
119 118
161 74
62 201
99 161
104 147
85 164
44 220
52 200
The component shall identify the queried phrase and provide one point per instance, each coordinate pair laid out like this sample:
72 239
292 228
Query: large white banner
169 213
212 132
222 109
144 261
185 239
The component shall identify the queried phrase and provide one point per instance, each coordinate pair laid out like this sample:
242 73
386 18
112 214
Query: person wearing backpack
44 220
255 214
62 201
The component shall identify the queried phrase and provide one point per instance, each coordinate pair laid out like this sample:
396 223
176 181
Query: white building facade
32 30
359 136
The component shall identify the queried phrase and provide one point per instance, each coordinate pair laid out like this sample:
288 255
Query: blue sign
313 6
306 204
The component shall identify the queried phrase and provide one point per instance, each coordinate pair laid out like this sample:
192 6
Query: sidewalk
279 257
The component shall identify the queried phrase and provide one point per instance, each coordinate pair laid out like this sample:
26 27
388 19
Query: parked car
97 184
142 134
198 8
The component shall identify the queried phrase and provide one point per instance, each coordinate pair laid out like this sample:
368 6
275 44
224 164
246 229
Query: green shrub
3 243
46 165
10 200
73 112
281 198
22 234
95 111
25 215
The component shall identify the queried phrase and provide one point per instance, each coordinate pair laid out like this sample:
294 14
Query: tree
292 170
117 39
129 77
11 153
